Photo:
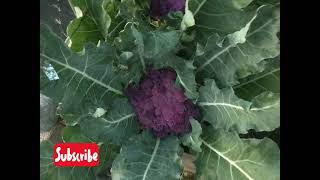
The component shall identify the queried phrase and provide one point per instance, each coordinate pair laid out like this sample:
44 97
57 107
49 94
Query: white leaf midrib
237 107
220 104
120 119
214 57
265 107
231 162
83 74
199 7
256 78
151 159
184 85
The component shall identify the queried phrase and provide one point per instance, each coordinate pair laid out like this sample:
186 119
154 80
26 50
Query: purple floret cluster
160 105
160 8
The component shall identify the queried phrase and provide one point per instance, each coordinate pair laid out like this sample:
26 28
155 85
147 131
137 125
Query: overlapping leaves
238 55
48 171
223 109
92 22
115 126
155 49
237 45
101 20
96 20
85 80
146 157
220 17
226 156
267 80
192 139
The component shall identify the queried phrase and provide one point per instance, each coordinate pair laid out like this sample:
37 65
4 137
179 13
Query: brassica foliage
158 78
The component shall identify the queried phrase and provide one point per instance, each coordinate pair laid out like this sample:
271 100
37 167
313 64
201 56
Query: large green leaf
146 157
147 44
124 43
220 16
93 23
192 139
104 20
85 80
115 126
267 80
131 47
223 109
155 49
82 31
159 43
48 171
225 156
117 21
185 76
238 55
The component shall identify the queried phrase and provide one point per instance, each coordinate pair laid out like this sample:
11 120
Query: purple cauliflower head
160 8
160 105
